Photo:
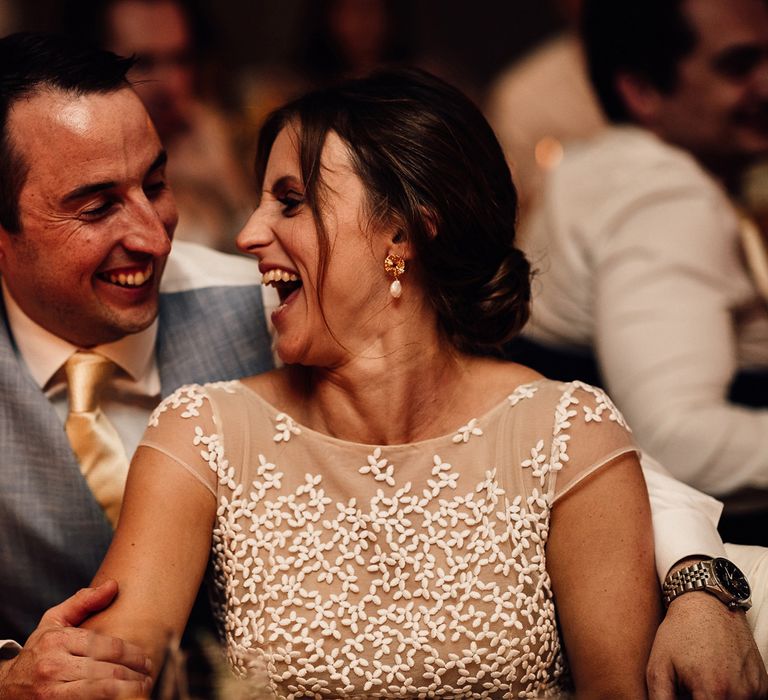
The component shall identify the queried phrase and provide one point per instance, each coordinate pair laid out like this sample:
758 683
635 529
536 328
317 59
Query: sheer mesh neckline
483 419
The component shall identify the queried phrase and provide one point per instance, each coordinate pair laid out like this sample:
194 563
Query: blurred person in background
168 37
7 17
541 102
349 38
642 255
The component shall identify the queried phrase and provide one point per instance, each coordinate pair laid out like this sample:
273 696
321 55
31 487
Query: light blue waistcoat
53 534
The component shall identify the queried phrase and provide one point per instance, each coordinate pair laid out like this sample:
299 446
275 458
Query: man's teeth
134 279
274 276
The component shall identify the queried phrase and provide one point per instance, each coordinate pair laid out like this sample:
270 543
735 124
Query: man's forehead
720 25
65 137
75 112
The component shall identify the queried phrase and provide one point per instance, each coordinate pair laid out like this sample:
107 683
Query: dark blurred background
210 71
470 40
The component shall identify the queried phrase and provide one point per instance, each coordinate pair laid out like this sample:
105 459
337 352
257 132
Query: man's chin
123 325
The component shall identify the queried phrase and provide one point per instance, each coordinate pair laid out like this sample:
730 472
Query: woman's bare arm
158 555
600 558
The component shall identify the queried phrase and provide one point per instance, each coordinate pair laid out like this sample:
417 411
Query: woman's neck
403 396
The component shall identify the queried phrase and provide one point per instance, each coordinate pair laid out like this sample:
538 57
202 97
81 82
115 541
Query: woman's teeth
131 279
274 276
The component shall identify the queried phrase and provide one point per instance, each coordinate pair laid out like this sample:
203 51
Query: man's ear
642 100
4 243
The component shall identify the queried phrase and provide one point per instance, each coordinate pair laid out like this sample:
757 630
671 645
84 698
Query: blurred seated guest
8 19
639 247
208 179
540 103
350 38
394 512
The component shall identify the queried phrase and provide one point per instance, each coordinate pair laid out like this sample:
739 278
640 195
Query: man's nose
149 229
760 78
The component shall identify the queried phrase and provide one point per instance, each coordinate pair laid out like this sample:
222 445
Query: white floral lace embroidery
285 427
430 589
379 467
463 434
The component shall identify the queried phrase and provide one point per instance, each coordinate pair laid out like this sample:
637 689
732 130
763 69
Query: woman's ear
430 222
400 245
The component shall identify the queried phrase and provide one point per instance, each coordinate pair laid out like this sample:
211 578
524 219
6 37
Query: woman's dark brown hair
431 164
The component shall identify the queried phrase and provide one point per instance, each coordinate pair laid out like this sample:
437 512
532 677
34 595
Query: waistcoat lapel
53 534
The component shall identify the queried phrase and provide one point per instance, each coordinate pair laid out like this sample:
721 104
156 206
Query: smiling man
96 217
86 224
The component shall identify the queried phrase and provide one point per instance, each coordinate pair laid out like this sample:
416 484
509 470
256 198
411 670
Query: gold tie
753 245
93 438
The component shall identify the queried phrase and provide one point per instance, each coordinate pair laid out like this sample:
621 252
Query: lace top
370 571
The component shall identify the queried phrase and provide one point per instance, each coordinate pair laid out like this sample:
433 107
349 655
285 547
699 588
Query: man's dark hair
646 39
29 64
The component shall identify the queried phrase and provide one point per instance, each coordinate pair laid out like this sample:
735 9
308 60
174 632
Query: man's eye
155 188
738 63
97 212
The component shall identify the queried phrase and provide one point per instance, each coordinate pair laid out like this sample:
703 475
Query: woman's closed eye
291 202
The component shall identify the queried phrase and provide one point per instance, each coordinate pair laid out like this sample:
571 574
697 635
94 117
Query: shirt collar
44 353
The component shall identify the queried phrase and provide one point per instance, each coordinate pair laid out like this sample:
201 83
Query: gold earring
394 266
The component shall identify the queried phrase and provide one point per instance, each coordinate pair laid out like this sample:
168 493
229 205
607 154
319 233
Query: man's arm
668 286
63 662
706 649
701 645
684 519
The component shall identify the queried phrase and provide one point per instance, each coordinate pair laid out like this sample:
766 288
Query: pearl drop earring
394 266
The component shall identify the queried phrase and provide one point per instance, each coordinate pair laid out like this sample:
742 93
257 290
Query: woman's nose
255 234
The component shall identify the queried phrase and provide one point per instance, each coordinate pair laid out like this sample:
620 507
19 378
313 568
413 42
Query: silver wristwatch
720 577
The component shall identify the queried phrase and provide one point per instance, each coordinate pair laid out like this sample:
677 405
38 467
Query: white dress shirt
638 253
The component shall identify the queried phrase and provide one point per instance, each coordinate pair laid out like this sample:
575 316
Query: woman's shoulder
196 400
516 382
502 378
275 388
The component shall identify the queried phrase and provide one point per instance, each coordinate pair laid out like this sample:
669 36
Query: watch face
731 579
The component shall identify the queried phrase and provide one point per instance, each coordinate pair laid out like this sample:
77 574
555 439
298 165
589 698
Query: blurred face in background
719 108
158 33
360 29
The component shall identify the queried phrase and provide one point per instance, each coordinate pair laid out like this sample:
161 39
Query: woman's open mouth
285 282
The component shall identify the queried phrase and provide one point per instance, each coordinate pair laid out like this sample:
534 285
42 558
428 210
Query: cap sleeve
589 433
184 427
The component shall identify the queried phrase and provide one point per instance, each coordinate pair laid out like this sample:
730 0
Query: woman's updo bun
430 162
481 318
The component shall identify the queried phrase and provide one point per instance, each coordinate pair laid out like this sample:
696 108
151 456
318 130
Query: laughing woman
394 513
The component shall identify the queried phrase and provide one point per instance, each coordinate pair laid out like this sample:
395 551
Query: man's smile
134 276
